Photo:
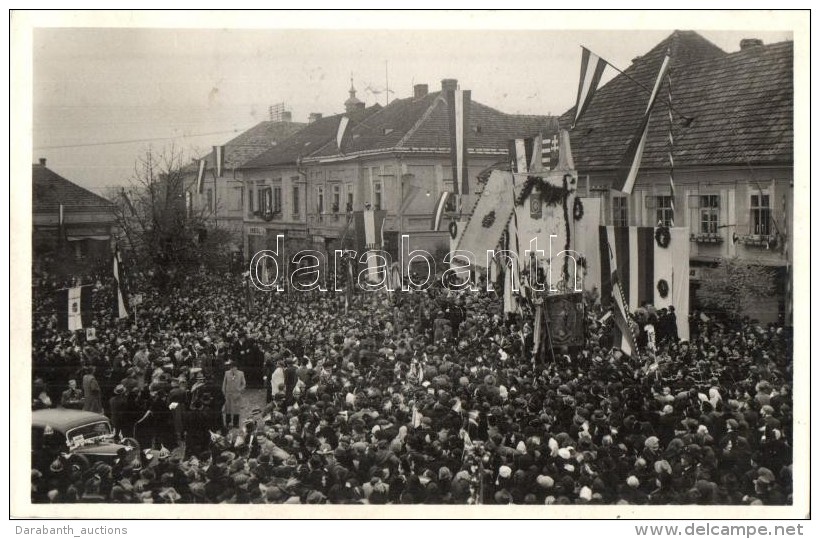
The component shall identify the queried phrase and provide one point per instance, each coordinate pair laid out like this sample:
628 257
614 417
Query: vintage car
80 437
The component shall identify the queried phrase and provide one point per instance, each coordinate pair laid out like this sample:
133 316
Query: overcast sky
96 88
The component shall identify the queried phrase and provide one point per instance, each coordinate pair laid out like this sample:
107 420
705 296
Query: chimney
750 43
314 116
449 84
419 91
286 116
42 161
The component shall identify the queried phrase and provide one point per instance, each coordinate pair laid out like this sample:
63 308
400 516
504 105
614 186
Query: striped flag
438 212
219 155
341 131
458 104
200 176
120 309
670 141
592 67
74 308
625 340
521 151
641 264
631 162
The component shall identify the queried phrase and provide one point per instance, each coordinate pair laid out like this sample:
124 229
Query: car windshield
91 431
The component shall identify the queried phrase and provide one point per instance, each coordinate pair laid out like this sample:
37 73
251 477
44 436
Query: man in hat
92 391
233 384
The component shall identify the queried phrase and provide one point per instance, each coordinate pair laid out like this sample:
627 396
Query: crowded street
380 406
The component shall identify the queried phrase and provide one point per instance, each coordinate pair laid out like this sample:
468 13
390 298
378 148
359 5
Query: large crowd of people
424 397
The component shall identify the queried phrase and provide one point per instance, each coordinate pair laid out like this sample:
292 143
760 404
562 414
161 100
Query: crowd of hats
384 412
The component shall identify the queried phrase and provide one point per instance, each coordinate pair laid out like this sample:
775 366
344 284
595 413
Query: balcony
758 241
710 237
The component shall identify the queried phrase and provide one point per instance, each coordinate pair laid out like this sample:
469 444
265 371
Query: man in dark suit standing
233 384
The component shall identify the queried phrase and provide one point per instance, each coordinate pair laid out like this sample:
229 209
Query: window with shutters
295 200
320 200
251 202
277 199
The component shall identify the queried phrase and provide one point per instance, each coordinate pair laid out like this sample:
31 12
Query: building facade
394 160
72 227
732 150
222 200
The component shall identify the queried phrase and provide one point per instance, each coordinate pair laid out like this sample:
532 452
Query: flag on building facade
631 162
200 176
219 156
458 109
74 308
120 307
592 67
341 131
647 273
438 212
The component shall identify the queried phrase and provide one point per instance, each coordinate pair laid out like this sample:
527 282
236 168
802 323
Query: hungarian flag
120 308
458 112
592 67
341 132
631 162
623 338
439 210
648 274
74 308
200 176
526 155
219 156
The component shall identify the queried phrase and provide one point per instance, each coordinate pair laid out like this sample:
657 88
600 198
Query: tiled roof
308 140
49 190
416 123
253 142
742 105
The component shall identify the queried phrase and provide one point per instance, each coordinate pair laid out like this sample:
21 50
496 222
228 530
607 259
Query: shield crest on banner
565 319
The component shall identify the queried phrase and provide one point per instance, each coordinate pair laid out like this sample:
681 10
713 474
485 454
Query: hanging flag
219 155
522 152
371 244
536 160
458 110
200 176
74 308
439 210
340 132
671 141
61 236
631 162
592 67
120 309
648 273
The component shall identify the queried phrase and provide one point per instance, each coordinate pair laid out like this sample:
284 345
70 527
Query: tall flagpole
671 138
